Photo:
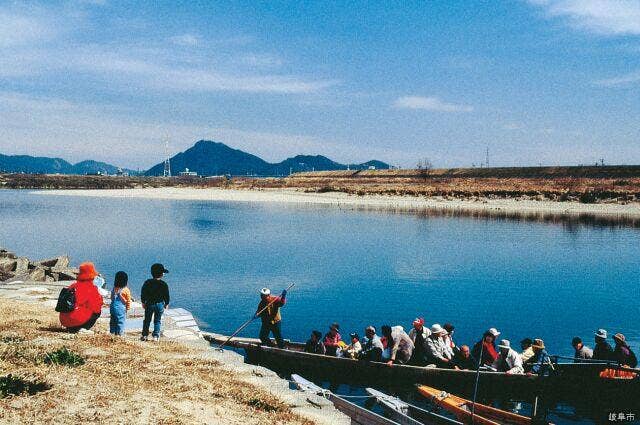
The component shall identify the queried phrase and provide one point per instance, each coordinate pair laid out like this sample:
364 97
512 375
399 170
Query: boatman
269 311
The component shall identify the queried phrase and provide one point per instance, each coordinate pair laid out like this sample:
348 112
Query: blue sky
537 82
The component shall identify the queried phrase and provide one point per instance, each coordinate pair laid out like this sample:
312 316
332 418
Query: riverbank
610 211
50 376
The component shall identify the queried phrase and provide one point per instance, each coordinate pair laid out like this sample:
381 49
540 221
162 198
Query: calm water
356 267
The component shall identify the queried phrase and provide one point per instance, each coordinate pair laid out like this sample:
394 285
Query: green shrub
63 356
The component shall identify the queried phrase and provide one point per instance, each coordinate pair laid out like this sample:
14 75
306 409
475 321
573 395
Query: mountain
213 159
95 167
33 164
209 158
44 165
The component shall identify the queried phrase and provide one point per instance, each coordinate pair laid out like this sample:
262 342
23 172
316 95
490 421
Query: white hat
265 291
436 329
602 333
493 331
505 343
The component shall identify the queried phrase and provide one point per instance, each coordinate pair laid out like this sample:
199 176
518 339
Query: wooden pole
245 324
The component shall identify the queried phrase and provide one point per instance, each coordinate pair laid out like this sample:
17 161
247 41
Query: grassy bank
50 376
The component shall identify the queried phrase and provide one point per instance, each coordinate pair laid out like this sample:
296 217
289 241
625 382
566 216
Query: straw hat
619 337
538 343
505 343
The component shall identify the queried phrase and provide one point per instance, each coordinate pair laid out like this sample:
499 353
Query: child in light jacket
120 303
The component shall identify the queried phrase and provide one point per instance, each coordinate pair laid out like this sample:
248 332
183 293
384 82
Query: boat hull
572 384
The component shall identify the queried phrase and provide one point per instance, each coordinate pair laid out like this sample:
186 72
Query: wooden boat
405 413
462 409
578 384
358 414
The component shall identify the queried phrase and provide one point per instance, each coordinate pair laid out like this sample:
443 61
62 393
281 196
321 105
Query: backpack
66 300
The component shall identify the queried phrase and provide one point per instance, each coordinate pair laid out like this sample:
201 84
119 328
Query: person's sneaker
156 338
144 338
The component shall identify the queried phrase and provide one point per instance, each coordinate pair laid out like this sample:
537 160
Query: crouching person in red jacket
88 305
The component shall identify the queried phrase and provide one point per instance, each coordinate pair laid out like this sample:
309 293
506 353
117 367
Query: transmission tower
167 161
487 158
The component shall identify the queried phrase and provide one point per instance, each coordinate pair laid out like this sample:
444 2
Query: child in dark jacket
155 299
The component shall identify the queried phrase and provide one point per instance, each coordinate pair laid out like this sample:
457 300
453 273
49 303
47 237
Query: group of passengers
435 347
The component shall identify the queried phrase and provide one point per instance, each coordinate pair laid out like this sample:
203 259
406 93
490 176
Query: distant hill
44 165
209 158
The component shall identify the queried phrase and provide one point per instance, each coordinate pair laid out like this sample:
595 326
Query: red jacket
88 302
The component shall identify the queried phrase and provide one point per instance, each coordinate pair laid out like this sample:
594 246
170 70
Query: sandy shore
403 203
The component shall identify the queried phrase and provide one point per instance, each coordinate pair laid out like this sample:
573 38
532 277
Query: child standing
155 299
120 303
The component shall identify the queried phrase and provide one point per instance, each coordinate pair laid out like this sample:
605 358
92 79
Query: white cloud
184 40
262 60
179 77
431 103
623 80
19 29
606 17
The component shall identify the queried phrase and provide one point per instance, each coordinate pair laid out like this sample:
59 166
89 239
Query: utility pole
167 161
487 158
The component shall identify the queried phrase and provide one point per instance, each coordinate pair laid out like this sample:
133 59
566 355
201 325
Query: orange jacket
88 302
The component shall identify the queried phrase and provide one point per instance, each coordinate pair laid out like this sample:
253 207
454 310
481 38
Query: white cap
265 291
493 331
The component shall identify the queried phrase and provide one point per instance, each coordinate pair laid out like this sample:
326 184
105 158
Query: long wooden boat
577 384
358 414
462 409
407 414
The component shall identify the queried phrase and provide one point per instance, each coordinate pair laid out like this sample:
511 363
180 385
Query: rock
65 273
7 264
37 275
62 261
5 275
22 265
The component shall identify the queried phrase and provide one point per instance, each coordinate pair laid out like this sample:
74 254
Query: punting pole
245 324
475 387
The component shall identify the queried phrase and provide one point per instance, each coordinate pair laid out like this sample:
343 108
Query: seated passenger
352 350
582 352
508 360
314 345
332 339
602 350
419 334
485 349
622 353
437 351
463 360
372 349
448 339
527 351
399 344
540 363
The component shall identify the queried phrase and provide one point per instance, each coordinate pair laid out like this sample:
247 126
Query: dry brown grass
122 380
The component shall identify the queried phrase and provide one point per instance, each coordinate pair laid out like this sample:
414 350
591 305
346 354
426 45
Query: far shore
609 211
